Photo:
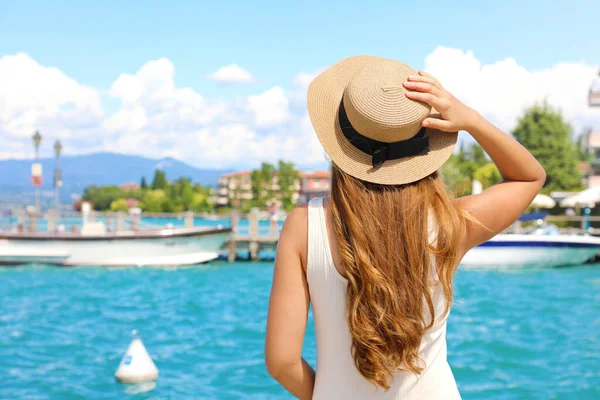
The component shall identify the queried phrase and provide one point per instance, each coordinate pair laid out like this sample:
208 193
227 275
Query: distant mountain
98 169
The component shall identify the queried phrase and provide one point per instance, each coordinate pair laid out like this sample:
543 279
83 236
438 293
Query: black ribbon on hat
381 152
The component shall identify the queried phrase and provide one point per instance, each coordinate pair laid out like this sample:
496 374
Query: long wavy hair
386 252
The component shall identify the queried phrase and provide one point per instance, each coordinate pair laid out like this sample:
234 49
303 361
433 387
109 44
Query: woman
377 258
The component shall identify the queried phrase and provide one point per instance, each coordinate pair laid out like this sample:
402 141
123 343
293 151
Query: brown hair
387 256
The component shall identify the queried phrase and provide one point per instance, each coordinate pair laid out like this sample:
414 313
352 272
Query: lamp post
36 171
57 175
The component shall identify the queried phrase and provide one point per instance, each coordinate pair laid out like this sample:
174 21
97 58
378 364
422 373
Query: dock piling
251 241
52 217
188 219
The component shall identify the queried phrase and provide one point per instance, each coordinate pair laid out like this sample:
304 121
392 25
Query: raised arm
500 205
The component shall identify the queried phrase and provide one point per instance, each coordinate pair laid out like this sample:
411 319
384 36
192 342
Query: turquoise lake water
511 335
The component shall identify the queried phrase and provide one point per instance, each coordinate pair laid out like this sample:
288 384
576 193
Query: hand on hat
455 115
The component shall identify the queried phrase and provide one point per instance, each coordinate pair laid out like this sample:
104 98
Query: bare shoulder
295 227
298 216
294 234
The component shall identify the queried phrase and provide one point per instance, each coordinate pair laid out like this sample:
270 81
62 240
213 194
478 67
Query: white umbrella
586 198
543 201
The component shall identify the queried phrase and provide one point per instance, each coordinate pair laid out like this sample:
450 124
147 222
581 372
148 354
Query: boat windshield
543 229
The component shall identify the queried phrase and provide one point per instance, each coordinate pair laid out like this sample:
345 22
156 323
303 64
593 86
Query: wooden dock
251 241
249 238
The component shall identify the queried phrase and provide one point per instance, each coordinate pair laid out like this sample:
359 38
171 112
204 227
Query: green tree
287 178
256 184
176 196
477 155
160 180
143 184
119 205
547 136
267 175
583 151
262 184
470 158
102 196
154 200
200 202
453 176
187 196
488 175
171 206
460 168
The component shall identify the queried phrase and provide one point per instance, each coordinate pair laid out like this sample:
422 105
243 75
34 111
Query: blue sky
95 42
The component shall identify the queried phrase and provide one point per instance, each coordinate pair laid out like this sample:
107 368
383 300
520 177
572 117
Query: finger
419 78
439 124
428 98
423 73
422 87
430 78
425 79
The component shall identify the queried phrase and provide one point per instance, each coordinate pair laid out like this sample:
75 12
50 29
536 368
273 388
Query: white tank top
337 376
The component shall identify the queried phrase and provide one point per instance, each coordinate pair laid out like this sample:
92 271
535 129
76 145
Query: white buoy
136 365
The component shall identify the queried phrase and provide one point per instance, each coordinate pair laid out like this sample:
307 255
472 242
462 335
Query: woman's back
337 376
381 318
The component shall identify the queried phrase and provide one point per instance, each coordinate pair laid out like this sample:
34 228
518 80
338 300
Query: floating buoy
137 365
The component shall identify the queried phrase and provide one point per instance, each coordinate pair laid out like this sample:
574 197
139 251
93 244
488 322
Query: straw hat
369 128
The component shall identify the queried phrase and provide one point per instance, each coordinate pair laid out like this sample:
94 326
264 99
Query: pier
253 233
251 240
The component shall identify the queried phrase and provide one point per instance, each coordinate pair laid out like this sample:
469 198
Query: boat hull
166 248
523 251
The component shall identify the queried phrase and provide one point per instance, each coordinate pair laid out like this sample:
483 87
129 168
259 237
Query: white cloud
34 97
303 79
231 74
156 118
270 108
503 90
126 119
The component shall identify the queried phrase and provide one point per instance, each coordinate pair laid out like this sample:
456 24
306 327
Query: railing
255 223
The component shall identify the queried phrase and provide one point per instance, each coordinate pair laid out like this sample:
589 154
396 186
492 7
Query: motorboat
542 246
157 247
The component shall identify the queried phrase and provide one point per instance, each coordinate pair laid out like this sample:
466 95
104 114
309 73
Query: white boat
532 250
161 247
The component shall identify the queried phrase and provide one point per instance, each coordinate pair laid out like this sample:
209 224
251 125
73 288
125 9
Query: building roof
316 174
584 167
594 95
303 174
131 203
130 186
236 174
594 140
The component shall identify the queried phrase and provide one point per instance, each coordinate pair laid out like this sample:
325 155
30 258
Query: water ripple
525 335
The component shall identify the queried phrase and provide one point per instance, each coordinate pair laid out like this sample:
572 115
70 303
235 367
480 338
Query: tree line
158 196
544 132
269 186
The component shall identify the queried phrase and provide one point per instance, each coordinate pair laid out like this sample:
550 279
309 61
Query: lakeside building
233 188
592 173
130 186
314 184
236 187
593 139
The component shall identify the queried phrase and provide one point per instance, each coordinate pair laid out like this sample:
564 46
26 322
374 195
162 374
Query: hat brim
323 101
